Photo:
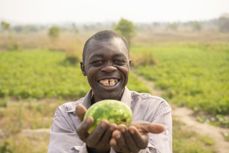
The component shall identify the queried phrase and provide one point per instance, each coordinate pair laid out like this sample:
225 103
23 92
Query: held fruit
111 110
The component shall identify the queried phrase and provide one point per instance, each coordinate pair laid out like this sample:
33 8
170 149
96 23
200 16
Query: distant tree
18 28
125 28
196 26
10 43
5 25
223 23
173 26
74 28
54 32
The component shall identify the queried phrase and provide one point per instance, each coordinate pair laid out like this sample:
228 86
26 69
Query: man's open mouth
108 82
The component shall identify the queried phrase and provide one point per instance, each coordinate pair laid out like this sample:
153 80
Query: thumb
146 127
80 111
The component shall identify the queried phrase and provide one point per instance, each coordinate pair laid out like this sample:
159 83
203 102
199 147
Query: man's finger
108 134
114 145
95 137
80 111
140 139
133 147
121 139
146 127
83 128
113 142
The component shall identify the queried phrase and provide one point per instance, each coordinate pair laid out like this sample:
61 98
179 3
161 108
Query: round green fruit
111 110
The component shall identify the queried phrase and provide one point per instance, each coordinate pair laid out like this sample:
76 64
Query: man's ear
82 67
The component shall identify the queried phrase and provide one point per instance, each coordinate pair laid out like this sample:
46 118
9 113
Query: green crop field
44 74
192 74
38 74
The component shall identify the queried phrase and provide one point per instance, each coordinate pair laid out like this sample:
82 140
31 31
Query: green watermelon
111 110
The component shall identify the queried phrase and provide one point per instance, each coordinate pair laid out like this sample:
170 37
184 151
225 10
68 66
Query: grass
20 143
39 74
29 114
44 74
186 141
193 75
26 114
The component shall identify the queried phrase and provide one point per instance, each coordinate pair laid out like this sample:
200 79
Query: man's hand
121 138
133 138
98 140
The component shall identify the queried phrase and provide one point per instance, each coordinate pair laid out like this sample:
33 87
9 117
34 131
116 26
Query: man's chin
110 94
113 96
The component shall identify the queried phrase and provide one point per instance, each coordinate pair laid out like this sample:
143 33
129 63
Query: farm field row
193 75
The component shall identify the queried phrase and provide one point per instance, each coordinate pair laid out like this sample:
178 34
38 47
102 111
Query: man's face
106 66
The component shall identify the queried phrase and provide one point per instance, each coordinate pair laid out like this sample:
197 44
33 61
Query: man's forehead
114 42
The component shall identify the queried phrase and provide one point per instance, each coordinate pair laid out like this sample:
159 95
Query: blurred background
179 49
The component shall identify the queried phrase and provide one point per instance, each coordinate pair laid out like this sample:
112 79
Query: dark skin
106 60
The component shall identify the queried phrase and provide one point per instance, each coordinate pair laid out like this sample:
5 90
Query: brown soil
185 115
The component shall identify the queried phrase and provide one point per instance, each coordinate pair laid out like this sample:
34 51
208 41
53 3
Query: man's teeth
108 82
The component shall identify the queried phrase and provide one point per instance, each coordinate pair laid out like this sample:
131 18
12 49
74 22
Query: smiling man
106 64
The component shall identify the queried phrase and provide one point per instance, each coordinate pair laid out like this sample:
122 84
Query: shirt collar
87 99
126 97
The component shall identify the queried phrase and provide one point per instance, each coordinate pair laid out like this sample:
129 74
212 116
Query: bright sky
79 11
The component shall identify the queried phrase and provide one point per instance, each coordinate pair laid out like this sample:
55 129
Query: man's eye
97 62
120 62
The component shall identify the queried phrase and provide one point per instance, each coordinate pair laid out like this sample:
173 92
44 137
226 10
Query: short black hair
102 36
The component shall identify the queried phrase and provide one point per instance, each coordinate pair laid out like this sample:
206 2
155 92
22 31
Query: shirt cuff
83 149
80 149
112 150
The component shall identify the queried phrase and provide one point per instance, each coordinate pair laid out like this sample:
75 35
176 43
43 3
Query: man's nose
109 68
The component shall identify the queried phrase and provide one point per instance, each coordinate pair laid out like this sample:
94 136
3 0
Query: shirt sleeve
63 136
161 143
